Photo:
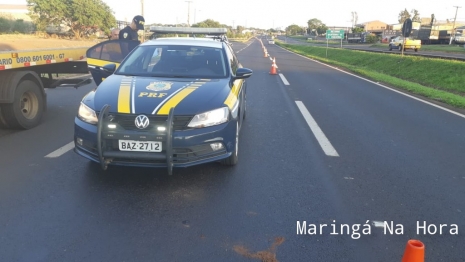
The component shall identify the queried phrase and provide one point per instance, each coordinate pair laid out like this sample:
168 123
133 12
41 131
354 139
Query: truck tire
27 108
416 49
390 47
400 48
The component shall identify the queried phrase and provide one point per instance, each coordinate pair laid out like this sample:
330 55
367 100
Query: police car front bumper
180 148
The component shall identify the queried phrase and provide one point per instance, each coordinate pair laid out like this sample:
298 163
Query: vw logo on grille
142 122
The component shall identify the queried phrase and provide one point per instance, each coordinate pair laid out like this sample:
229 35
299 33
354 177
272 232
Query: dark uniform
131 34
128 33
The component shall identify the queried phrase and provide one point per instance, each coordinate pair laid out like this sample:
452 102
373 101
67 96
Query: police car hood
155 96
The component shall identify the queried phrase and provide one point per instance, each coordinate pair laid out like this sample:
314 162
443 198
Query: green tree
78 15
5 25
358 30
240 29
322 29
371 38
415 16
294 29
314 24
208 23
21 27
403 15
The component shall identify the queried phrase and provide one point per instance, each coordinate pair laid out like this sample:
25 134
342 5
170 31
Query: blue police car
168 102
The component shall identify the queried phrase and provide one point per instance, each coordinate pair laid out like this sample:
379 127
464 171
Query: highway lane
403 157
66 209
368 48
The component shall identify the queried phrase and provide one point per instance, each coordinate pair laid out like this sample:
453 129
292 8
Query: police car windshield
175 61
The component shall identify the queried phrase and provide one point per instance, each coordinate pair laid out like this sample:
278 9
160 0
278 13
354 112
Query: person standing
130 31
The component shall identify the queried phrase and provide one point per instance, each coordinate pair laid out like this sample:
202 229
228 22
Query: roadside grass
437 79
441 48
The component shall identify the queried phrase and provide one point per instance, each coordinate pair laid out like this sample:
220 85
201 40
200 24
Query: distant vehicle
460 36
398 43
271 42
59 30
460 39
356 37
429 36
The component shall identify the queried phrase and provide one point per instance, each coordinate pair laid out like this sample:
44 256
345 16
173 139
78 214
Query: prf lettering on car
151 94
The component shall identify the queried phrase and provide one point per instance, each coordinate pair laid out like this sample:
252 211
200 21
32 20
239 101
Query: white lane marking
245 47
378 84
62 150
378 223
320 136
284 79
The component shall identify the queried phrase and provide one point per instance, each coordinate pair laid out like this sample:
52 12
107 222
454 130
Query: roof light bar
188 30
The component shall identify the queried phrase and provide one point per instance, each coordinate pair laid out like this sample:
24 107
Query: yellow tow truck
24 75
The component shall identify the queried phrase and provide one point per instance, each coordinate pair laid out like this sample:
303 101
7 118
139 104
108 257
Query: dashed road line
319 135
62 150
283 78
245 47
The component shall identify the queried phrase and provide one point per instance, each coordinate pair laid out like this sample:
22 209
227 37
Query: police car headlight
86 114
210 118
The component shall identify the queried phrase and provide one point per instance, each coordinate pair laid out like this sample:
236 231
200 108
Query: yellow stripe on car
124 96
175 100
232 97
178 97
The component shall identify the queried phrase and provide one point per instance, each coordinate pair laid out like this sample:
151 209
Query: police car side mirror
242 73
109 68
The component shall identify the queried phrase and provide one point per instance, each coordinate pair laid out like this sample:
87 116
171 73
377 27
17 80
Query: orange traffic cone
273 67
414 251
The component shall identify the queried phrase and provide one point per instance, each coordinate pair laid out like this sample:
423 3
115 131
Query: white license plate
139 146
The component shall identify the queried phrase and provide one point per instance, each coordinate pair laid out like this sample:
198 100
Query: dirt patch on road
264 256
32 42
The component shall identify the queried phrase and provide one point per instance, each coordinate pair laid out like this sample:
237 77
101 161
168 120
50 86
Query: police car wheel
27 108
232 160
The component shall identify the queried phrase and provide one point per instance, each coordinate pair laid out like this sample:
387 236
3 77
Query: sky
275 14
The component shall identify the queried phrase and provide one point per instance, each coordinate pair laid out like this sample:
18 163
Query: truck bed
30 58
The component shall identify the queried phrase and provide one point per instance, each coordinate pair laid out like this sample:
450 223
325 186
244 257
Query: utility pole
142 14
453 27
188 13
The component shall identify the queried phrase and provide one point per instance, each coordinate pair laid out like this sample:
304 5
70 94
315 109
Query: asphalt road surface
318 145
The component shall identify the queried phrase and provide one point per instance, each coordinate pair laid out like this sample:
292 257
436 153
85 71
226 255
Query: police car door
108 52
